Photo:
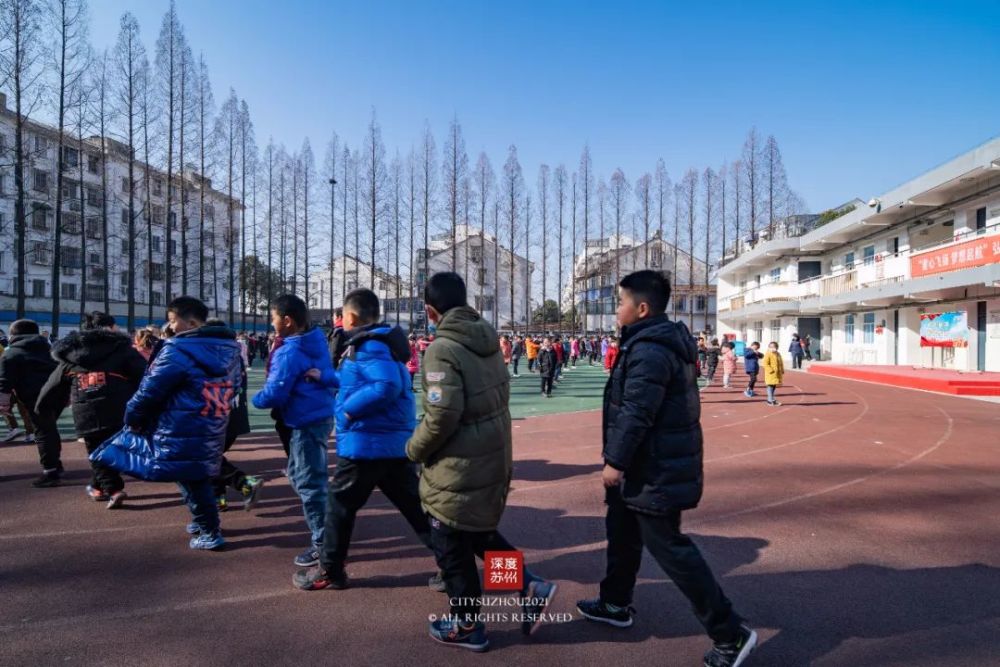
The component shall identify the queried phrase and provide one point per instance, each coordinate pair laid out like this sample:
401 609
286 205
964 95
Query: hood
312 343
464 326
85 349
674 335
32 343
392 336
212 348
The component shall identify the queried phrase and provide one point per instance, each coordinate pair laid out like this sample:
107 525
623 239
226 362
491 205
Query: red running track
854 525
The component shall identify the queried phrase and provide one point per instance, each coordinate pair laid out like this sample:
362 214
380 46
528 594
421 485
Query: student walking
375 416
653 470
751 364
306 407
532 347
797 350
712 353
547 366
98 372
774 371
183 401
516 352
728 364
574 350
611 355
464 445
25 367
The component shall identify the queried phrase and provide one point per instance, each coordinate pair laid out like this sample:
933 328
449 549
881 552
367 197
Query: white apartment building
82 246
597 272
867 285
479 259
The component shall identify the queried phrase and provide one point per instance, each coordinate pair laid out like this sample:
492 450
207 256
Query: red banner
965 255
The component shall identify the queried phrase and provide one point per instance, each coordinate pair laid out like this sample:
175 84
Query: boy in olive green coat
464 444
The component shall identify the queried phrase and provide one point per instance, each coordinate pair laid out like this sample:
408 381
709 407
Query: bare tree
678 215
130 59
586 186
455 167
723 179
185 79
101 84
78 96
602 203
411 173
644 203
203 118
227 129
543 204
527 260
330 168
485 183
736 173
427 187
777 184
21 69
690 186
246 164
710 200
513 184
662 197
496 259
67 19
619 199
146 115
396 187
374 184
308 168
168 45
752 175
347 169
269 160
560 194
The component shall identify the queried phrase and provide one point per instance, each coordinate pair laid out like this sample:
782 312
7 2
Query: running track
855 525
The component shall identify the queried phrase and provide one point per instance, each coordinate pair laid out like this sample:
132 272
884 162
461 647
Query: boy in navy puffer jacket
184 401
376 415
305 406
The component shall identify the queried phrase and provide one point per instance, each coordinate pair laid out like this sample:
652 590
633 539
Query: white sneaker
12 434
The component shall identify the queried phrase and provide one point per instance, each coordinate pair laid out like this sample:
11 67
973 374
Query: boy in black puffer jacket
653 469
24 368
98 372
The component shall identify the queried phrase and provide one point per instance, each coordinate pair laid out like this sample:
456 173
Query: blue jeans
200 498
770 393
308 474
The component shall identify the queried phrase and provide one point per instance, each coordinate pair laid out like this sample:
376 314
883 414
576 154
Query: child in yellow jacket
774 370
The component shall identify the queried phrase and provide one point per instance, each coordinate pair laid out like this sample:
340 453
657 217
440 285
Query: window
38 289
869 329
69 189
981 218
124 247
681 304
156 271
868 254
40 218
775 275
173 220
849 329
97 273
41 144
71 223
93 197
93 164
1 184
40 253
70 156
758 330
125 218
157 244
700 302
40 180
210 212
157 187
71 258
93 228
68 291
477 254
157 214
173 247
124 184
775 331
157 298
95 258
849 261
95 292
481 276
126 276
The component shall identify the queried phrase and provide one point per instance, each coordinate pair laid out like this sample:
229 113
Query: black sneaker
47 480
308 558
316 579
436 583
732 654
602 612
452 633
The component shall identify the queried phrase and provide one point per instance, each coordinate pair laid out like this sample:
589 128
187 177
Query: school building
910 277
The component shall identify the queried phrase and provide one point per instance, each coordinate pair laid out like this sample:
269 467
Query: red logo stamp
503 570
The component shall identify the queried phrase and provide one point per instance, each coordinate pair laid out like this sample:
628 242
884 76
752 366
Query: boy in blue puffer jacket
184 401
305 406
376 415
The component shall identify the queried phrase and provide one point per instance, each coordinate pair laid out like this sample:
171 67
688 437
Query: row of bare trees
384 208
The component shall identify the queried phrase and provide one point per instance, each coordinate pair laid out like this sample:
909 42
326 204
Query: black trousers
284 432
456 551
515 361
628 531
753 380
797 361
104 478
547 384
47 440
229 475
531 364
353 483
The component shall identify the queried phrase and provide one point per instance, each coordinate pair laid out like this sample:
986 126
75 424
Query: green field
579 389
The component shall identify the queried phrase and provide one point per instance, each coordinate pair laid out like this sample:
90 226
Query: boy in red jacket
609 358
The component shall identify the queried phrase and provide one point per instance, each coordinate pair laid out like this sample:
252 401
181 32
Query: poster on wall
944 329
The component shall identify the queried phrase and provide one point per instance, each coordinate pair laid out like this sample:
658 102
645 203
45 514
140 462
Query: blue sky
860 95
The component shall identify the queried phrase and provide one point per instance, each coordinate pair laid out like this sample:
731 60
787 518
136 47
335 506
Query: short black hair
215 322
649 287
97 320
444 291
337 312
364 302
22 327
289 305
188 308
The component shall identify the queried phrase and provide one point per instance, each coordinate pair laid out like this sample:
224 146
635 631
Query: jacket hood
85 348
30 343
465 326
392 336
674 335
312 343
213 348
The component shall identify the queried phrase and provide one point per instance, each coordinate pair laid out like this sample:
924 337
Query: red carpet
928 379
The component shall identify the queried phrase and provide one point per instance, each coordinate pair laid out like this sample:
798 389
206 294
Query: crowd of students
167 407
711 353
